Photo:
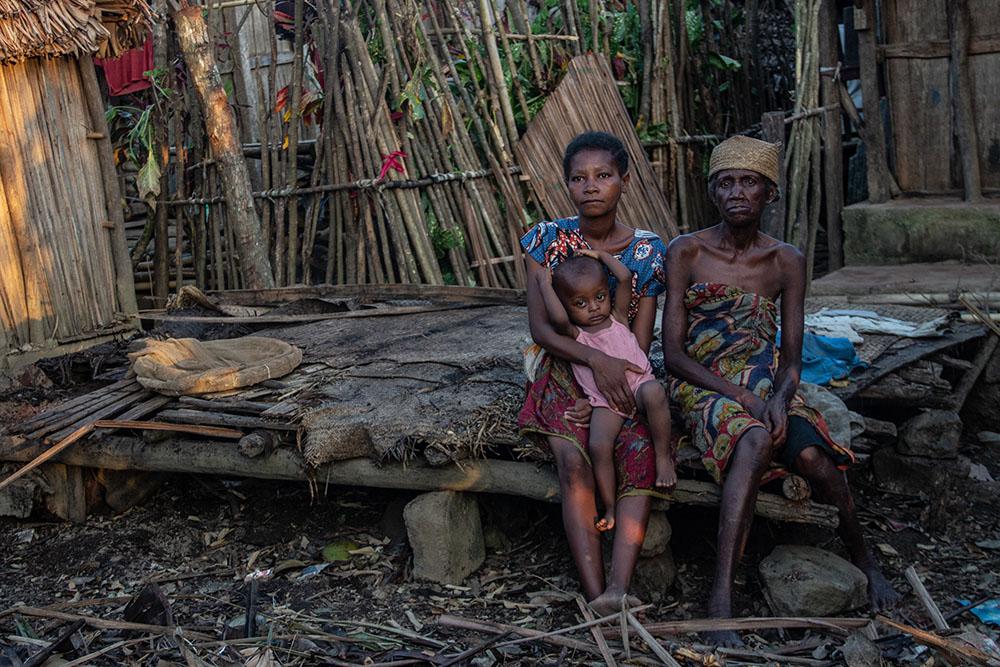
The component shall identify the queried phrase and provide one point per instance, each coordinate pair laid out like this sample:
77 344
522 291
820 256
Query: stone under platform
922 229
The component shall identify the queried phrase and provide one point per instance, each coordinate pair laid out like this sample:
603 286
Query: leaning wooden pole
961 96
220 123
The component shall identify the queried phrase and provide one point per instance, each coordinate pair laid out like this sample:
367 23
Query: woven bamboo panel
57 276
588 99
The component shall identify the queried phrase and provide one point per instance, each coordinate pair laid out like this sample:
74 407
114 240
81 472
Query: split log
44 418
919 384
796 488
220 125
234 421
881 184
257 443
960 84
239 407
486 476
116 399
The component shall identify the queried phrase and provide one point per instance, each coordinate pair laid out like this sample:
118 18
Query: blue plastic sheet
987 612
825 358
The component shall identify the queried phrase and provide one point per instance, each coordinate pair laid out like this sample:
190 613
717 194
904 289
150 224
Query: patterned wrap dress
733 333
554 389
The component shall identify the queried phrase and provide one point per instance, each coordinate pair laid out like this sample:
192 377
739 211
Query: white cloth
851 324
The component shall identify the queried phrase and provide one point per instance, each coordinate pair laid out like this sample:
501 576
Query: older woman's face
741 195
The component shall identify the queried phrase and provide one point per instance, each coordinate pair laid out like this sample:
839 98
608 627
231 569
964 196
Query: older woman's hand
609 375
776 420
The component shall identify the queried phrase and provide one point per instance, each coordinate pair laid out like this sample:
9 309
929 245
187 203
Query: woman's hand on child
579 414
609 375
588 252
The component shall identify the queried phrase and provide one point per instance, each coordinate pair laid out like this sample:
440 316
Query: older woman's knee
810 460
756 445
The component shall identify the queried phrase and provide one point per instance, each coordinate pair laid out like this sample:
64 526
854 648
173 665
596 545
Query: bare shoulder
788 256
684 246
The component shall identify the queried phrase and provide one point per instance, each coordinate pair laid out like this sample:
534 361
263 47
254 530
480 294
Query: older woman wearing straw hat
725 286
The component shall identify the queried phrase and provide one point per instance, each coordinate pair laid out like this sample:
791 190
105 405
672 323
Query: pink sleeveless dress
616 341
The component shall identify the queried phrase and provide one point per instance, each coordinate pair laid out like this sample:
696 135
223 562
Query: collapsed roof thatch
50 28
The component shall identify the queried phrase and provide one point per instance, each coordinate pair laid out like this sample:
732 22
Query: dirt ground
198 537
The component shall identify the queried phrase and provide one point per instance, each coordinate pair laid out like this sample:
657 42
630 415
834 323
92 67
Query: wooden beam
537 482
939 48
833 179
964 124
873 134
369 293
773 128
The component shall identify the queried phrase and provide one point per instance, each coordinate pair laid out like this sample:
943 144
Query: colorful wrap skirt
733 333
553 391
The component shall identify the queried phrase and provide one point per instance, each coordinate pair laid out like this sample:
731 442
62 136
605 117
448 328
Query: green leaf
148 181
720 61
338 551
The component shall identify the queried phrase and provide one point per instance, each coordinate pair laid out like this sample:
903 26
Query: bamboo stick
292 168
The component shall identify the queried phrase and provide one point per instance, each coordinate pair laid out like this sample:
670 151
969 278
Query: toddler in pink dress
579 304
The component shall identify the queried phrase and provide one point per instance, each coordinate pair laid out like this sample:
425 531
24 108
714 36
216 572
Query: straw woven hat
741 152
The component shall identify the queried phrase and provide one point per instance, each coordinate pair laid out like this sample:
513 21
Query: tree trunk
220 124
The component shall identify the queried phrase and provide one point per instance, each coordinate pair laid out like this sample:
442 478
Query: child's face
595 186
588 301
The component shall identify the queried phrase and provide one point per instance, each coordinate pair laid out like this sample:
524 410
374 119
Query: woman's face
741 195
595 186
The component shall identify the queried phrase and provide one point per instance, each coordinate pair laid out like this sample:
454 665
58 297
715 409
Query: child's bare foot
606 522
609 602
666 475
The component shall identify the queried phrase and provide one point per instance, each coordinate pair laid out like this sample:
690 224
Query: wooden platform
408 393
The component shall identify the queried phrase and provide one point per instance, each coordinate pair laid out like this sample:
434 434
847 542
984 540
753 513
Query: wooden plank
372 293
239 407
938 48
105 412
61 409
896 358
84 410
235 421
192 429
961 97
537 482
159 316
872 133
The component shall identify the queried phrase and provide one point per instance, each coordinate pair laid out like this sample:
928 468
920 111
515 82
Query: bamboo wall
916 52
58 283
442 92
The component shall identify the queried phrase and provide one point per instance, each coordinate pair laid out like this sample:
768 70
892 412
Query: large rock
18 498
806 581
446 536
658 532
654 576
843 423
932 433
915 475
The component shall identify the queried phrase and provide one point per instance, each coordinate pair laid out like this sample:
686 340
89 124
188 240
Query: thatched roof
50 28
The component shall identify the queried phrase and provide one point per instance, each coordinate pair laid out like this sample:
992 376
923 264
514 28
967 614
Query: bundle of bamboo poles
803 156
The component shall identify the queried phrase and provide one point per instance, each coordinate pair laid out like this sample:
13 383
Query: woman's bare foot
720 606
881 594
666 475
609 602
606 522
